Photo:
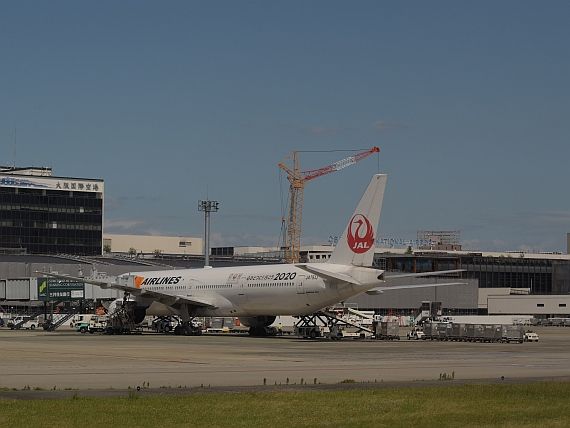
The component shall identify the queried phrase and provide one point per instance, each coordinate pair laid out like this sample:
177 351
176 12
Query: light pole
207 207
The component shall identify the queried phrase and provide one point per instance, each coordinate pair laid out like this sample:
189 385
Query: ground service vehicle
92 325
26 323
415 334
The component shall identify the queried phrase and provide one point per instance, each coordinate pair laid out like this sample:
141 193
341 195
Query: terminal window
40 221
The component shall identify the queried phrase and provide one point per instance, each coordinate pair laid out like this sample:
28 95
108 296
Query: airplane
257 294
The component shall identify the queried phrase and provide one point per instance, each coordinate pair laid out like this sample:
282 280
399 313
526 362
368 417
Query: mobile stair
51 325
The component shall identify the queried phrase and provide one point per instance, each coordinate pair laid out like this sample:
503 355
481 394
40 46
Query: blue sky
171 102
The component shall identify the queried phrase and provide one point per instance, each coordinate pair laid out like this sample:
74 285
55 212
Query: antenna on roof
15 145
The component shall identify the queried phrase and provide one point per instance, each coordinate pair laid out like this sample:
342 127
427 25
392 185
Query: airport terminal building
496 282
44 214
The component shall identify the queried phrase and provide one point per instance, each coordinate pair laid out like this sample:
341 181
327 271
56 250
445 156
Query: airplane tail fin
357 243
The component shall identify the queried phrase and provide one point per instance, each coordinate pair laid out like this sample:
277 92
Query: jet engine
139 313
259 326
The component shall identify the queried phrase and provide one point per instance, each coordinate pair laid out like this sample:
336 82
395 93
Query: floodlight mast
207 207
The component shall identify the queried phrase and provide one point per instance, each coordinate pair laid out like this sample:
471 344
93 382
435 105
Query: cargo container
387 330
444 331
492 332
513 333
458 331
430 331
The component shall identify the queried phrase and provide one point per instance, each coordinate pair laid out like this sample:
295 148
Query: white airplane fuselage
283 289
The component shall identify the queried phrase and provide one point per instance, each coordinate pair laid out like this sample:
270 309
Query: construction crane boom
338 165
297 180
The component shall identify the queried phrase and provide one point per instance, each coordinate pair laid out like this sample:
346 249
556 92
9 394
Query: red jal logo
360 234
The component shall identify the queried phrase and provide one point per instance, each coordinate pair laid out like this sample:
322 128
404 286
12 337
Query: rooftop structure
440 239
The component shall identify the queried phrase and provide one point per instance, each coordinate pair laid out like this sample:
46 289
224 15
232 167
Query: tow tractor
92 325
415 334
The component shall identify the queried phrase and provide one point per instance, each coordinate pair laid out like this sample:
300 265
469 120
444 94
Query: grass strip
522 405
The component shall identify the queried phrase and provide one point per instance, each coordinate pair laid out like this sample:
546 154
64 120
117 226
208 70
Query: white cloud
122 224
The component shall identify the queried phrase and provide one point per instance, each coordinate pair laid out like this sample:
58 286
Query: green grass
525 405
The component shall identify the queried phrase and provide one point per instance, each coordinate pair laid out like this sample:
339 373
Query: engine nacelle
258 322
139 314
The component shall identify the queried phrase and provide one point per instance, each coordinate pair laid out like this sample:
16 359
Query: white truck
95 323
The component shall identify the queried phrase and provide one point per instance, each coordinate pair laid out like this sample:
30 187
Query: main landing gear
188 328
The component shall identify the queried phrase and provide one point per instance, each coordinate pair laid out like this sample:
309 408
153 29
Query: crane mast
297 180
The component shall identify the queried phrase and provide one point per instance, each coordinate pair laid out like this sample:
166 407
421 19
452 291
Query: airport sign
60 289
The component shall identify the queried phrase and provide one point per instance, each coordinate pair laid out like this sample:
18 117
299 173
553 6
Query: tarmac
66 360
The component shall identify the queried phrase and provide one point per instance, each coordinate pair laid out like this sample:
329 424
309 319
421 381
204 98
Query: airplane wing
342 277
380 290
167 299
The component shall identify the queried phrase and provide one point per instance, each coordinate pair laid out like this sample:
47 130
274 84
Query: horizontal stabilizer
422 274
323 273
380 290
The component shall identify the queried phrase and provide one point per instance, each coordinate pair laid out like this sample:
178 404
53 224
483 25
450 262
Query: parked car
530 336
